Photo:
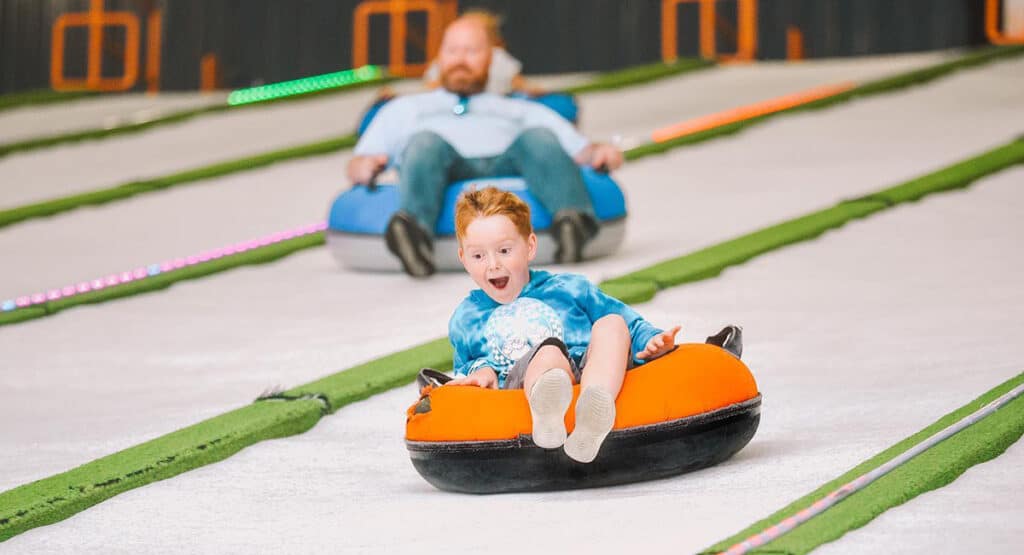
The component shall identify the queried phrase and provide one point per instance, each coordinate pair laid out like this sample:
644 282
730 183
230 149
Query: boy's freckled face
497 257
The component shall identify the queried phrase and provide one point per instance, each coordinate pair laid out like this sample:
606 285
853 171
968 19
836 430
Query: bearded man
460 132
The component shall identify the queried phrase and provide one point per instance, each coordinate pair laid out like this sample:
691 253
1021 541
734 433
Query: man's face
464 58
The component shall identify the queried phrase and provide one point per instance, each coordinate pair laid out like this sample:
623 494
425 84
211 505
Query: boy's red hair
491 201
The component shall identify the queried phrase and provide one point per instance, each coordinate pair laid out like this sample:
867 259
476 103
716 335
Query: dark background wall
261 41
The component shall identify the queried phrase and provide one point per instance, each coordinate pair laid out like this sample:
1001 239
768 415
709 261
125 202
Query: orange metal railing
154 38
439 13
794 43
209 72
992 28
95 20
746 39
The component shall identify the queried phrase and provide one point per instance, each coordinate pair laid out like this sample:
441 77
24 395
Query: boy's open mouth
499 283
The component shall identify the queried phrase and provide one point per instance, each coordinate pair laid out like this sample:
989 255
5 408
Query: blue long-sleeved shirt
489 125
484 332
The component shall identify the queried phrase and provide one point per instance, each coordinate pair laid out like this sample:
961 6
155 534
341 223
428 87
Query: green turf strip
915 77
132 188
175 117
58 497
639 75
37 503
932 469
261 255
38 98
606 81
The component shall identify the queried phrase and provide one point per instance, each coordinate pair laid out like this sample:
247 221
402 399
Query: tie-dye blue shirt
484 332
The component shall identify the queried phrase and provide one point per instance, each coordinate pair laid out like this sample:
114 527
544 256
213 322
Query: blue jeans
430 164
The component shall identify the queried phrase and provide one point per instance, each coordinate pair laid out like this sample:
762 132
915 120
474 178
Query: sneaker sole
595 416
568 246
401 245
549 399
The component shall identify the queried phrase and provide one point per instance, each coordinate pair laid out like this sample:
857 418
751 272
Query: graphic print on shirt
513 329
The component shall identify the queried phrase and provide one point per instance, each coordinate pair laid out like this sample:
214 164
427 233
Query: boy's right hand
362 169
482 377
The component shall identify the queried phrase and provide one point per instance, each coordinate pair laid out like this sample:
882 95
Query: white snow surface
214 344
856 340
38 175
886 324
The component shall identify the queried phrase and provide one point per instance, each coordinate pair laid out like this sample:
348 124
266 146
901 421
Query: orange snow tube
689 409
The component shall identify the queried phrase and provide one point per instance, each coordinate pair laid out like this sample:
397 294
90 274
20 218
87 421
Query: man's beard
463 82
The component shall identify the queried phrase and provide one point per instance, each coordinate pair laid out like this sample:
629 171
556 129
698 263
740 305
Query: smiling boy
539 331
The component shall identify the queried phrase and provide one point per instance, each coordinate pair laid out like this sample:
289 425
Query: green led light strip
304 85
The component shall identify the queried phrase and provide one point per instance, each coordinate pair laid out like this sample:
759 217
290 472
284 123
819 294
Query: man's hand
659 344
362 169
601 156
484 377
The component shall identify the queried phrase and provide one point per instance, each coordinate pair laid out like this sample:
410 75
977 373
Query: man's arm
375 148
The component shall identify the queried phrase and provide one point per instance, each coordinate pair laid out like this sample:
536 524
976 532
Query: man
460 132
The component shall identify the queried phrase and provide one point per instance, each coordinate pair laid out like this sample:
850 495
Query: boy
539 331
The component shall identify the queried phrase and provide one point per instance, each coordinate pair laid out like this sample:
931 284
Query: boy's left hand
659 344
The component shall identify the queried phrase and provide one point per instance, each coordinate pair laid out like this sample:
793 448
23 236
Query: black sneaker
571 230
730 339
411 244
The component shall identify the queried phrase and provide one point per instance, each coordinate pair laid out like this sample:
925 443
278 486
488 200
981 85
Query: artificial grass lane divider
607 81
132 188
896 82
38 98
44 502
932 469
175 117
57 497
260 255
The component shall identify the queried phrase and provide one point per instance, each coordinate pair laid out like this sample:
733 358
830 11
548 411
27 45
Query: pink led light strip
151 270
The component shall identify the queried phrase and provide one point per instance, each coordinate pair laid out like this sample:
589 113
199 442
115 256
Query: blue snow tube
359 217
562 103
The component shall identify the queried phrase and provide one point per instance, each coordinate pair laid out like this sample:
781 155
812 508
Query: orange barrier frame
746 41
749 111
439 13
95 19
154 41
992 27
209 72
794 44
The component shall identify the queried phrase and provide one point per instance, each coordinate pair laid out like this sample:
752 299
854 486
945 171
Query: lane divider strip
787 524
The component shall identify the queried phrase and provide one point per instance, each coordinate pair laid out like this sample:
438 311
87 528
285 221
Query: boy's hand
659 344
484 377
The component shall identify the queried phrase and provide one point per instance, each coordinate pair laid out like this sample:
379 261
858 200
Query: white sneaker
595 416
549 398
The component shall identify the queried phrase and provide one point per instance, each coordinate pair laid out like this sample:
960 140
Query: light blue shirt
487 128
484 332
